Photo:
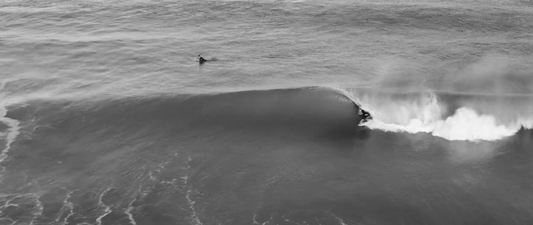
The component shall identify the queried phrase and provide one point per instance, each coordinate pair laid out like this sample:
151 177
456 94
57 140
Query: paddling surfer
201 59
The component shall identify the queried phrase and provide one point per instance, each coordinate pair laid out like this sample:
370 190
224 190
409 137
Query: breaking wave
451 116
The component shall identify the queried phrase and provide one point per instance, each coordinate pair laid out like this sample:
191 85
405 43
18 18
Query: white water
426 114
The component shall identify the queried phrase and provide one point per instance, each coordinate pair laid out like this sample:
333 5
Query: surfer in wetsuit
365 116
201 59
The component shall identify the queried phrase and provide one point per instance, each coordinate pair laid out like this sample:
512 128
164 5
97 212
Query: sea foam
426 114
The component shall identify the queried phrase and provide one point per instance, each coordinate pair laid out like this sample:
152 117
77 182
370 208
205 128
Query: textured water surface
108 118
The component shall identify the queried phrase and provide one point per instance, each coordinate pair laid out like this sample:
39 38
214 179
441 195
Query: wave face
286 156
463 117
137 160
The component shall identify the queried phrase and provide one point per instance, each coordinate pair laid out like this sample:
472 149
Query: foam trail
185 179
66 204
40 208
128 212
11 133
107 209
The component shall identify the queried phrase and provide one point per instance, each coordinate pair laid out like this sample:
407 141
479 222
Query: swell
122 159
313 109
97 161
307 110
122 125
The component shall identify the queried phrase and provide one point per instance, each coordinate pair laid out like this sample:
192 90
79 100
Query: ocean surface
106 116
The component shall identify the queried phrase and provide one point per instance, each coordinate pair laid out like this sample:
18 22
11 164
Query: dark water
107 118
260 157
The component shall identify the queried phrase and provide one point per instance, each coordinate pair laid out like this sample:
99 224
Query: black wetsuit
201 59
365 116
